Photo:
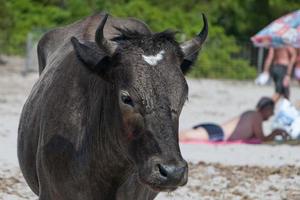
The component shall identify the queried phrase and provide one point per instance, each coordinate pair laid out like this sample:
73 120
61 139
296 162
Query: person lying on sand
248 125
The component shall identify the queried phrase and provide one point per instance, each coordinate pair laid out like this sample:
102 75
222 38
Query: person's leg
278 89
286 92
297 76
276 96
194 134
278 73
274 75
285 88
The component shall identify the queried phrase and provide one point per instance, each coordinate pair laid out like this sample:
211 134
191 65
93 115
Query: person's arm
259 134
268 60
258 129
293 55
274 133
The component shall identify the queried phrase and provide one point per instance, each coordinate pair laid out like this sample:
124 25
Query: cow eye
126 99
174 112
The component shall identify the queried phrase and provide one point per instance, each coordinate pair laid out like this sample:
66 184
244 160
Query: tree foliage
230 22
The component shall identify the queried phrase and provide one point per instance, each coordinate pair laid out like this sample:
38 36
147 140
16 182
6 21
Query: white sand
209 101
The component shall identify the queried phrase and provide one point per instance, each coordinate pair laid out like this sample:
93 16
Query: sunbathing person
248 125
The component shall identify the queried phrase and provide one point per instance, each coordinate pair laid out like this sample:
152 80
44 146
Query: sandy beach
229 172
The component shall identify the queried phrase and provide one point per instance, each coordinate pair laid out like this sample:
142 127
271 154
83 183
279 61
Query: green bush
216 60
230 22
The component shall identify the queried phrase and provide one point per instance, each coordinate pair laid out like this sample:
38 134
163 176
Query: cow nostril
162 170
172 174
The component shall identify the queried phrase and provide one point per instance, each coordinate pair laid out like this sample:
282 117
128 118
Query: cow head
152 90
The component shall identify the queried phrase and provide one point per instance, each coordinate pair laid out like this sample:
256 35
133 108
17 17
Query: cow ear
92 56
188 62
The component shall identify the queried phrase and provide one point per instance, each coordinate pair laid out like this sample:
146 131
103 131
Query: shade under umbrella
282 32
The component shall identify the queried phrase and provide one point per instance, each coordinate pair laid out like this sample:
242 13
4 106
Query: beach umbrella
281 32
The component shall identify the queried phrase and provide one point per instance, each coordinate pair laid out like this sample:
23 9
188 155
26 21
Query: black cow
102 120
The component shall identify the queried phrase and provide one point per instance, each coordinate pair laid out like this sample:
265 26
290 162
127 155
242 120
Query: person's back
241 128
282 56
248 125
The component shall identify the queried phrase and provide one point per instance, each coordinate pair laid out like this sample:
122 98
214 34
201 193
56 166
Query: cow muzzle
165 176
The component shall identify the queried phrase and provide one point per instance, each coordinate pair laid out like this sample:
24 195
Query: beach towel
196 141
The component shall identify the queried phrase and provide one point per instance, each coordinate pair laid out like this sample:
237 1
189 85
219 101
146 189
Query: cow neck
104 137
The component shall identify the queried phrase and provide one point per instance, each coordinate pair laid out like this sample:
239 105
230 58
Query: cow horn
192 46
108 46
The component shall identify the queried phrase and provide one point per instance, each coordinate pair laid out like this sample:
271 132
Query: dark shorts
215 132
278 73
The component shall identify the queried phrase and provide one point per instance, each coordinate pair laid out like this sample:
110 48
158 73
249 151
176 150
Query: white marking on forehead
153 60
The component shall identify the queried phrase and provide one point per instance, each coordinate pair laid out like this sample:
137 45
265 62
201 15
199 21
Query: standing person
279 63
247 125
